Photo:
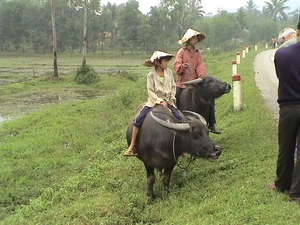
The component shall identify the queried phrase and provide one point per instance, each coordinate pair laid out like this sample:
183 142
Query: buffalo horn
198 116
171 126
195 81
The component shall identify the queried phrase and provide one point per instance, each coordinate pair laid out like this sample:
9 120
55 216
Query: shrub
85 75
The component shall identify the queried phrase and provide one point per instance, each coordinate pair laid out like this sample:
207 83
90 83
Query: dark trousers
138 121
288 171
212 117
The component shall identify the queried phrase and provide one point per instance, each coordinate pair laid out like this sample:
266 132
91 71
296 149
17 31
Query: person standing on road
287 65
189 65
273 42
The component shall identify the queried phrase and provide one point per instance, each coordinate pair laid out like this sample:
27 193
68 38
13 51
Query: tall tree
129 22
69 28
225 24
276 9
84 40
252 13
54 41
112 11
11 25
82 5
261 32
94 25
250 6
159 24
185 12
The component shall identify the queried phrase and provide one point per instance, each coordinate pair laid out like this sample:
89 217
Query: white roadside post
266 45
234 67
238 58
255 47
236 90
244 53
247 48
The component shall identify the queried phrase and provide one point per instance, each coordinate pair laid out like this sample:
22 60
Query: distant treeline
25 25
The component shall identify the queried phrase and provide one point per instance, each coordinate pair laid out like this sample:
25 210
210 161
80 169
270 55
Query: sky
212 6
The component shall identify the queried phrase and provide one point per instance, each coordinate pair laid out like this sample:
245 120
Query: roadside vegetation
62 163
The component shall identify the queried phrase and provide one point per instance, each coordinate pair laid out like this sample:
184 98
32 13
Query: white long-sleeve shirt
161 89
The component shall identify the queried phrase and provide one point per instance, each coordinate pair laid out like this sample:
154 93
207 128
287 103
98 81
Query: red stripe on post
236 77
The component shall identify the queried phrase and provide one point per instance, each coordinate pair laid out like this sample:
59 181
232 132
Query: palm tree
113 15
294 14
276 9
251 6
186 12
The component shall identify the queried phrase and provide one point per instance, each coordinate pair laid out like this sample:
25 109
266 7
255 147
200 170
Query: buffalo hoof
165 194
150 199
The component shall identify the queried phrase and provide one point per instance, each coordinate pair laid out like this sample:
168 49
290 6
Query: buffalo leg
150 182
166 181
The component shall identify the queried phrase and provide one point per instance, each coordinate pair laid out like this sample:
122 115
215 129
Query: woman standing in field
161 91
189 65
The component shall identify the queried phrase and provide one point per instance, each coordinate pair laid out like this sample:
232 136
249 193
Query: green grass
63 164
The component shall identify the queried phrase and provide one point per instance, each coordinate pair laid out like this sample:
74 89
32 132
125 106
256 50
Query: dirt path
266 80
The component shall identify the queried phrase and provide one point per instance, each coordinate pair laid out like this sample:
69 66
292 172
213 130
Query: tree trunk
84 48
54 42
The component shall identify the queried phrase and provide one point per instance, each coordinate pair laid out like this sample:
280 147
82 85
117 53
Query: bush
85 75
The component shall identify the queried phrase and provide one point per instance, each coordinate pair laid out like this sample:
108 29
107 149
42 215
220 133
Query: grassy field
62 163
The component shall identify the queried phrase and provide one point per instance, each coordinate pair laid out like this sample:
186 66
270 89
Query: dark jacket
287 65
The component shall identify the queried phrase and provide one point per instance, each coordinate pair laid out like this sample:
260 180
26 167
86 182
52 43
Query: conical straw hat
191 33
156 55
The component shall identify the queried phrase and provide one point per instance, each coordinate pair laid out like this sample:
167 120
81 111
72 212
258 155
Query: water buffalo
162 139
199 95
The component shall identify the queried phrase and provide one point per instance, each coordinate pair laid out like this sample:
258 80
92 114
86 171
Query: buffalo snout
227 87
215 155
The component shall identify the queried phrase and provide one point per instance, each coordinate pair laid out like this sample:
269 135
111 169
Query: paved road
266 80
